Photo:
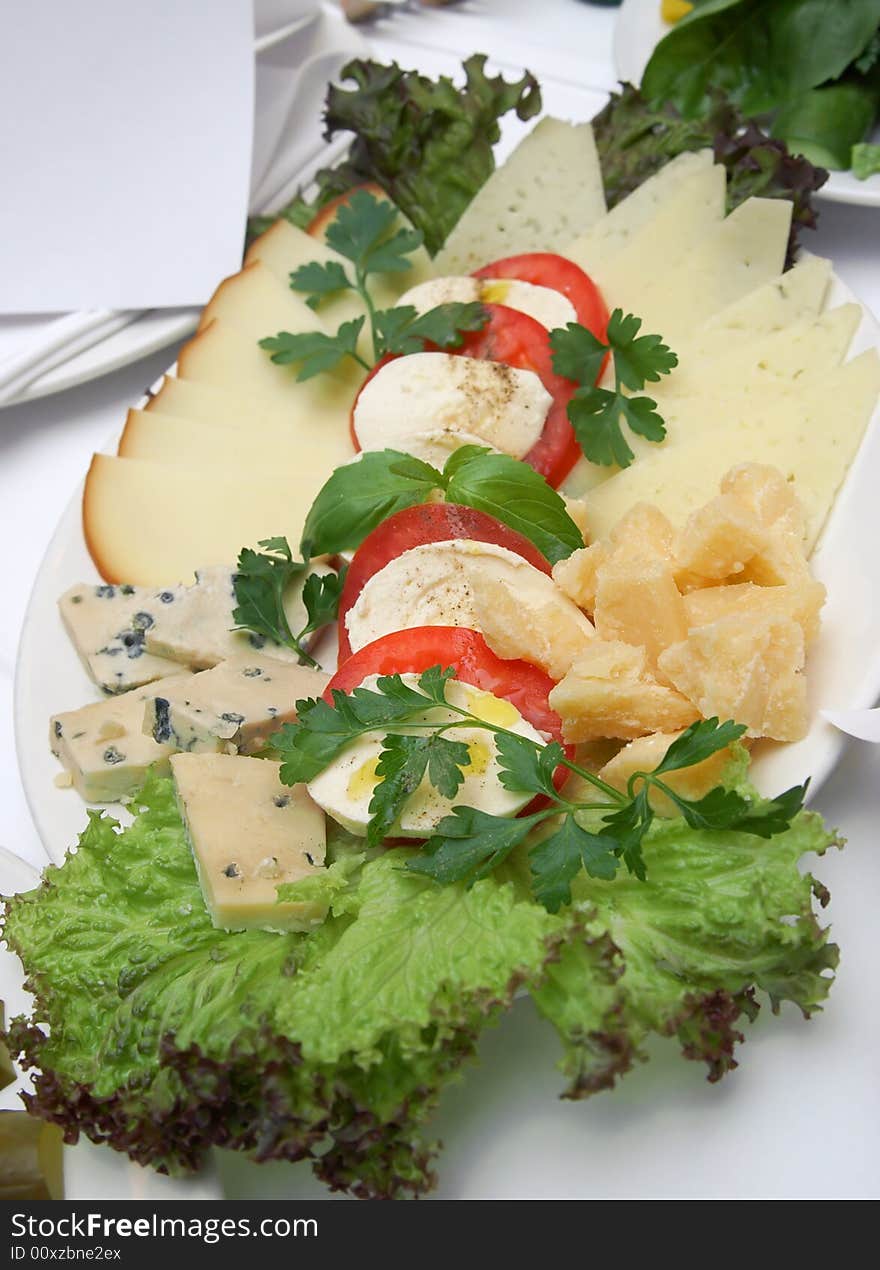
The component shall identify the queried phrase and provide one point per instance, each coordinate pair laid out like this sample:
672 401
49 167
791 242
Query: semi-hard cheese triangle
617 228
694 207
697 279
549 189
812 439
150 524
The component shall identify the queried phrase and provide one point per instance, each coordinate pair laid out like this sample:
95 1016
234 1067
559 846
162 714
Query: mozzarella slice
545 305
344 789
436 446
519 610
427 392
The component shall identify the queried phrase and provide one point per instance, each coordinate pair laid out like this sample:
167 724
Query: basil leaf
360 495
516 494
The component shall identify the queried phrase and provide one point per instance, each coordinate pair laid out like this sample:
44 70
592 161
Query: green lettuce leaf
428 143
168 1036
635 139
723 914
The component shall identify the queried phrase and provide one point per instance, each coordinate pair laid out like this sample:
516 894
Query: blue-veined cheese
249 835
235 706
439 392
550 308
344 789
519 610
195 624
103 745
107 625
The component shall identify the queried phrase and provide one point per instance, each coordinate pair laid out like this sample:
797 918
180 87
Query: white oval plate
640 28
843 666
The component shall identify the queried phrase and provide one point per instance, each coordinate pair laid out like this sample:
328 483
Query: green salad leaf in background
167 1037
810 66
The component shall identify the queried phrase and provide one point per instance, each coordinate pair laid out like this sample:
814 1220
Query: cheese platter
208 462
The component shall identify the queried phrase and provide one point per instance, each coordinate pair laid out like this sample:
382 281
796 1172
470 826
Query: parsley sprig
596 413
261 582
365 231
596 835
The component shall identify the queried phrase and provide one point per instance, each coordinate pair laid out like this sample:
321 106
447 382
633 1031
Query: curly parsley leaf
261 584
321 592
698 742
405 330
401 768
557 860
315 350
596 414
469 844
320 279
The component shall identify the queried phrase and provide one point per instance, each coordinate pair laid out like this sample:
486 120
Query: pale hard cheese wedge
615 230
257 304
697 279
646 752
104 748
344 789
812 443
223 407
426 392
695 207
235 706
519 610
106 625
195 624
165 438
146 522
549 307
549 189
805 350
795 296
221 356
249 835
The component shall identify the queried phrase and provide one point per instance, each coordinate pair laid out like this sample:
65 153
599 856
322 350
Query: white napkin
291 82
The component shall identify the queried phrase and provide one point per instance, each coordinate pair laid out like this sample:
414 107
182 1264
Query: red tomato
546 269
412 651
518 340
426 522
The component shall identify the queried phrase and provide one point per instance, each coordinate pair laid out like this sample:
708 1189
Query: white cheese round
344 789
519 610
427 392
549 307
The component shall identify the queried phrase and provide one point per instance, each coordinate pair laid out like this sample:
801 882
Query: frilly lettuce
167 1036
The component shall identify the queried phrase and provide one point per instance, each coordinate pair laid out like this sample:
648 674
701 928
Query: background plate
639 28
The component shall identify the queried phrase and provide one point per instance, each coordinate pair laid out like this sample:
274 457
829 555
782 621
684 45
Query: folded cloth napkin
291 82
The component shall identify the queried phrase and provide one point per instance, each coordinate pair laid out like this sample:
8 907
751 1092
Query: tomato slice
519 682
546 269
426 522
518 340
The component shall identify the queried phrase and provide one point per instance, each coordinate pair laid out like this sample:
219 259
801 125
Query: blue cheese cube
107 625
249 835
103 746
196 627
235 706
